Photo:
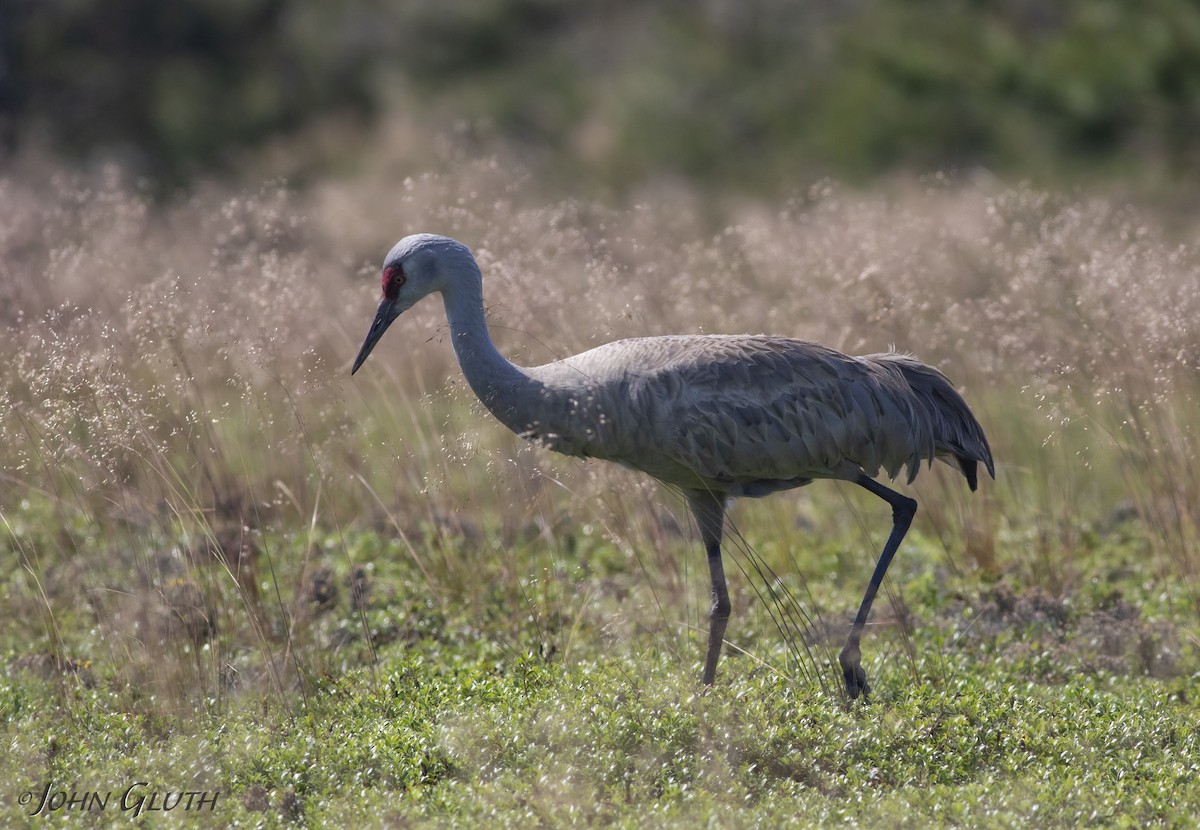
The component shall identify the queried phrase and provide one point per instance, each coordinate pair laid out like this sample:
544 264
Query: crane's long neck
505 389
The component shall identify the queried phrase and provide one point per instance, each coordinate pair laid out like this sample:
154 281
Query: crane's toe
856 682
852 671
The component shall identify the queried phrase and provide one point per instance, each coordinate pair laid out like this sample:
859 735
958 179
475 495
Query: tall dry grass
177 387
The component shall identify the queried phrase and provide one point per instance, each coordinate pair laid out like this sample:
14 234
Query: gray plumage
747 415
717 416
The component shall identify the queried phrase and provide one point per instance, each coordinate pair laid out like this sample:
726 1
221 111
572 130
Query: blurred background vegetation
753 96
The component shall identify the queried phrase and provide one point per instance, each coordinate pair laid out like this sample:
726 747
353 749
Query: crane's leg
903 510
709 510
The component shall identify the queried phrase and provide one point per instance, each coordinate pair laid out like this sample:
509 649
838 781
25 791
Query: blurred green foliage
174 87
743 92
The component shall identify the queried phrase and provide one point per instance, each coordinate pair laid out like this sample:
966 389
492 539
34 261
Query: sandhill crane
715 416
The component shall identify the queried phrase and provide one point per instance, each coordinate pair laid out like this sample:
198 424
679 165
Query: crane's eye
393 278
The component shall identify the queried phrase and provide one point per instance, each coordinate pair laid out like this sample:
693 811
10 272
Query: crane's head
417 266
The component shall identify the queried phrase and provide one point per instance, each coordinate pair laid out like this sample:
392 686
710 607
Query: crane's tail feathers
952 429
970 468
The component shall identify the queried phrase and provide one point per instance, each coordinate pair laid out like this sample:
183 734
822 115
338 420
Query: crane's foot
852 671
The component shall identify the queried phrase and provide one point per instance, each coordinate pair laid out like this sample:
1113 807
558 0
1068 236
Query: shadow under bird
717 416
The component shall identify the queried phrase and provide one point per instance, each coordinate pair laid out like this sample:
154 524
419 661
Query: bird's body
740 415
717 416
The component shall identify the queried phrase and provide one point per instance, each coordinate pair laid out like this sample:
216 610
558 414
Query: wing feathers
741 412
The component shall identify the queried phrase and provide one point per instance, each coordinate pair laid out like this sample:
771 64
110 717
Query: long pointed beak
384 316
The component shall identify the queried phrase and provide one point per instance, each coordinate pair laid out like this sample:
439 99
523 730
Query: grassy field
230 568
